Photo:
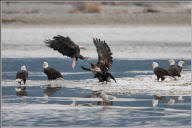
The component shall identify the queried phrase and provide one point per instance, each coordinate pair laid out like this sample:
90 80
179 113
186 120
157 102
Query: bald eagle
175 70
66 47
22 75
105 60
159 72
180 65
51 73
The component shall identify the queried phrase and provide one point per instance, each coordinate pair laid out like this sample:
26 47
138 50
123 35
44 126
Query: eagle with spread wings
105 60
66 47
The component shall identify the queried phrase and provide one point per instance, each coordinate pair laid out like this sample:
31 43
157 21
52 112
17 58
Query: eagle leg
158 79
112 77
162 78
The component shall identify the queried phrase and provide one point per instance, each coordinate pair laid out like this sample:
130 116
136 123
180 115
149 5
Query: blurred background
95 13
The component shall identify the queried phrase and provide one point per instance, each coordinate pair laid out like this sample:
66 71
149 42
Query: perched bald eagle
175 70
180 65
66 47
159 72
105 60
51 73
22 75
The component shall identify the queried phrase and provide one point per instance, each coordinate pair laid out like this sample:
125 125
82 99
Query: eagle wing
105 58
64 45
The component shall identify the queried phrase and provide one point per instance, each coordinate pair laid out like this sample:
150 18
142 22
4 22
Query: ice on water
146 84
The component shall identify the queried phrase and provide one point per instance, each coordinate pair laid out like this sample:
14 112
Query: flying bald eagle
105 60
22 75
175 70
66 47
51 73
159 72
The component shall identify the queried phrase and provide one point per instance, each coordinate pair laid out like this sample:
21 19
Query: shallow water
33 108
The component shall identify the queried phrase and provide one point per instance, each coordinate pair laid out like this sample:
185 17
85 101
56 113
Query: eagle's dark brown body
23 75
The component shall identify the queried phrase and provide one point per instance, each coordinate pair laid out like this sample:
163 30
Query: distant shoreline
18 26
65 14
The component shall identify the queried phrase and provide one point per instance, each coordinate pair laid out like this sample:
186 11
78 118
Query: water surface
45 106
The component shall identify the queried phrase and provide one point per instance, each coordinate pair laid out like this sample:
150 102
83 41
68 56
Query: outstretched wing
64 45
105 58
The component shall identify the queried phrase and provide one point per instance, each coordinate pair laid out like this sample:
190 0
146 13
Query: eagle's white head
180 63
23 68
45 65
171 62
155 64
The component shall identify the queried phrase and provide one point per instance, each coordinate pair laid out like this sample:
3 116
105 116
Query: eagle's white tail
60 78
74 62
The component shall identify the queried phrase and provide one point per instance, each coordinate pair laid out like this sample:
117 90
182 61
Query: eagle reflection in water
21 91
51 89
105 101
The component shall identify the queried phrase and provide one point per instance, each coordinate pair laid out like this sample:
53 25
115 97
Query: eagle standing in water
21 76
66 47
105 60
52 74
